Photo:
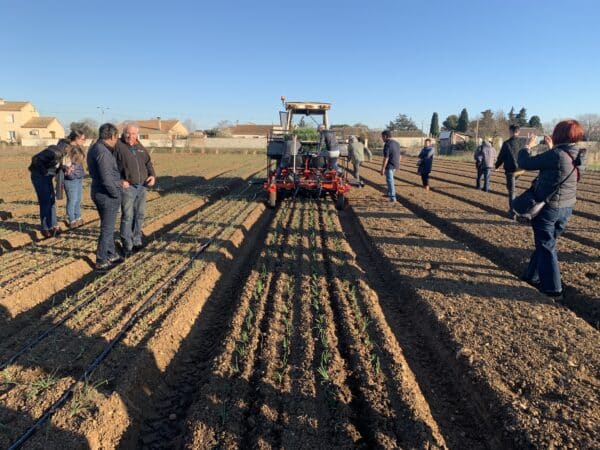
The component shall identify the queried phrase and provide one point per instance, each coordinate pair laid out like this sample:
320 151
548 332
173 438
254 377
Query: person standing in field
106 192
486 158
478 157
356 152
559 171
329 146
508 158
425 162
72 166
137 173
391 162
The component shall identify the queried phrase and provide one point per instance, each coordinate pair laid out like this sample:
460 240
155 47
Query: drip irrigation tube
84 303
92 367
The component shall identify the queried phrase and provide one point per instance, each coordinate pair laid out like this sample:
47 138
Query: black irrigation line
210 190
109 347
31 344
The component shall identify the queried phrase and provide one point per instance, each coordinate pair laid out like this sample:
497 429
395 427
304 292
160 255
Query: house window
10 118
34 132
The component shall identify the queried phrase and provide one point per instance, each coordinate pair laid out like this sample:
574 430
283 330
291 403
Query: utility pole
102 109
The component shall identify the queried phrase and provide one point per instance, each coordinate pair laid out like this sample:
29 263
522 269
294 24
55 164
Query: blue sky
232 60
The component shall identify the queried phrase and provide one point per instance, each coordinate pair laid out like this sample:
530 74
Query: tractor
297 166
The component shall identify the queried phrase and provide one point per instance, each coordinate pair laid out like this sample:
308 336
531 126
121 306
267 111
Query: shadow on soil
70 360
511 259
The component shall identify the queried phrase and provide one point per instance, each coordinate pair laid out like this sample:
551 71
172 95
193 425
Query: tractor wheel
272 199
340 202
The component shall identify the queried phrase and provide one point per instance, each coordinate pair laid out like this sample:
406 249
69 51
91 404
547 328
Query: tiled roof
250 130
165 125
151 126
12 106
38 122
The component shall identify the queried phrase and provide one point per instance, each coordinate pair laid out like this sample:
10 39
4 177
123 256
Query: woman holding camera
559 171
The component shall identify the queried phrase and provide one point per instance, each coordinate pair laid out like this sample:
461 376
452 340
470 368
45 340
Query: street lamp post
102 109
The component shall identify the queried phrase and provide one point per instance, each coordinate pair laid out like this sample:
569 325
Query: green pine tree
434 128
535 122
522 117
463 121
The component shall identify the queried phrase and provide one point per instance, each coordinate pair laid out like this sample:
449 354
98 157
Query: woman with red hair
556 184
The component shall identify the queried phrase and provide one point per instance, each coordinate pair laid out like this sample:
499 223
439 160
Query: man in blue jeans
137 173
391 162
106 193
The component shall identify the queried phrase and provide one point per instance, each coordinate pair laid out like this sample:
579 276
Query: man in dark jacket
508 156
106 193
391 162
137 173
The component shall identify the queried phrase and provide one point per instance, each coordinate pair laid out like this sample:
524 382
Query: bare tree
591 125
501 124
87 126
549 125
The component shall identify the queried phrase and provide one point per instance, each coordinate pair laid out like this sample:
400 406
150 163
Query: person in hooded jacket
72 166
43 168
425 162
559 171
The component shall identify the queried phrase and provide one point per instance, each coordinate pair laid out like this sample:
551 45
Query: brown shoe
47 233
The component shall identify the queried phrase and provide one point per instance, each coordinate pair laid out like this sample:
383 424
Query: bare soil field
385 325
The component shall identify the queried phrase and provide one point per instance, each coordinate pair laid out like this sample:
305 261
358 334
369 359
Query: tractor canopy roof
307 108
